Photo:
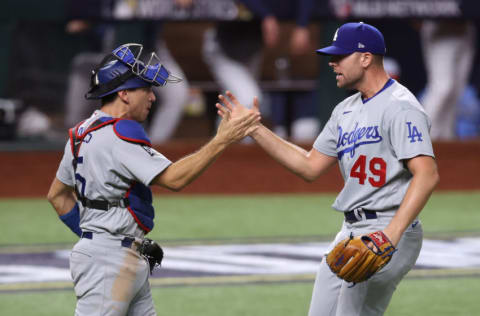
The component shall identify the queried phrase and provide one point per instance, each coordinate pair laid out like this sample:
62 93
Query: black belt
351 218
102 204
126 242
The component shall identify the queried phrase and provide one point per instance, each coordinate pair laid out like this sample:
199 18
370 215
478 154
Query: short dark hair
109 98
378 59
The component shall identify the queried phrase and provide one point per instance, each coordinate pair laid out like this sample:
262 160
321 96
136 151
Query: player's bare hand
230 103
231 130
237 120
394 238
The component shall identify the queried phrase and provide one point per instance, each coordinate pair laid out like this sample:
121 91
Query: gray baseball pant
110 279
335 297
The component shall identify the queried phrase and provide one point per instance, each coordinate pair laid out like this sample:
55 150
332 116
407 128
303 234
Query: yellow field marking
432 273
238 279
33 286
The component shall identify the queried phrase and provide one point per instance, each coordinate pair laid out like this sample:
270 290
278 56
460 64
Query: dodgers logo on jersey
358 137
413 132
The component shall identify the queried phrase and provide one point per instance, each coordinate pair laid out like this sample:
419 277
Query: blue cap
356 37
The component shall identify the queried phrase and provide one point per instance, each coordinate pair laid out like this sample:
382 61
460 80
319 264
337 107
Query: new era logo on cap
356 37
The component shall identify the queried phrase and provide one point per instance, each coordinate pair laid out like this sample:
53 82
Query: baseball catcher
101 190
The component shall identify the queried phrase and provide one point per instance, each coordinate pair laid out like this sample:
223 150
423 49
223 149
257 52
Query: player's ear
123 95
366 59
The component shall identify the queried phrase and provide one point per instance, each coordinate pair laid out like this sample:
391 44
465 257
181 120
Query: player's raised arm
230 130
306 164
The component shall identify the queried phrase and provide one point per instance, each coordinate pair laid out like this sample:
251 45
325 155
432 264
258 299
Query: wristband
72 220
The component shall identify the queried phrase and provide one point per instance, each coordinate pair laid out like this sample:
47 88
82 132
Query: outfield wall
240 169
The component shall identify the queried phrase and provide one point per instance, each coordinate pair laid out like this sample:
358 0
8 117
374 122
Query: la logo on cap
335 36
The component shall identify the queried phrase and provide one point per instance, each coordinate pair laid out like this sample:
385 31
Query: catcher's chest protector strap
77 134
139 196
126 130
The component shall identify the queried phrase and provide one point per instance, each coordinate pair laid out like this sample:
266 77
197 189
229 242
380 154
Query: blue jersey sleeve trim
131 131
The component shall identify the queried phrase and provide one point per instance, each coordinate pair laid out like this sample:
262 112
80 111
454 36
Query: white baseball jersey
371 139
105 172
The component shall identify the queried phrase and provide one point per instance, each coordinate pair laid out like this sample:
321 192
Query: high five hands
237 120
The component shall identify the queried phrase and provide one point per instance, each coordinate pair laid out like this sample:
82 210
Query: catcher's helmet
122 70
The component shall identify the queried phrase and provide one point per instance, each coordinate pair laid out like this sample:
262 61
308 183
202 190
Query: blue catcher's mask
123 69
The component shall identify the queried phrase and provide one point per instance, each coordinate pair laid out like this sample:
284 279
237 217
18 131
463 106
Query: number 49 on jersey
376 174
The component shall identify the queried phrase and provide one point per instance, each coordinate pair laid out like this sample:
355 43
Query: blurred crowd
267 51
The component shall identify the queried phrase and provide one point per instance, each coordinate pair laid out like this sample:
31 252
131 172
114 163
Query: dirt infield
240 169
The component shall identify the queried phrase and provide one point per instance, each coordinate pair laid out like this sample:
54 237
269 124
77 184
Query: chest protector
138 198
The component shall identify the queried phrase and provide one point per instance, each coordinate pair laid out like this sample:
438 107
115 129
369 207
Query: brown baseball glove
357 259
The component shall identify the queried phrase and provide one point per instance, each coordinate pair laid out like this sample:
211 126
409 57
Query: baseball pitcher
380 139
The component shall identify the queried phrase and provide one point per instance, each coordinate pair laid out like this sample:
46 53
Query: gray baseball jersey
371 138
110 275
107 169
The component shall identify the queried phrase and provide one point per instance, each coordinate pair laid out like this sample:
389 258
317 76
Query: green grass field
223 219
414 297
